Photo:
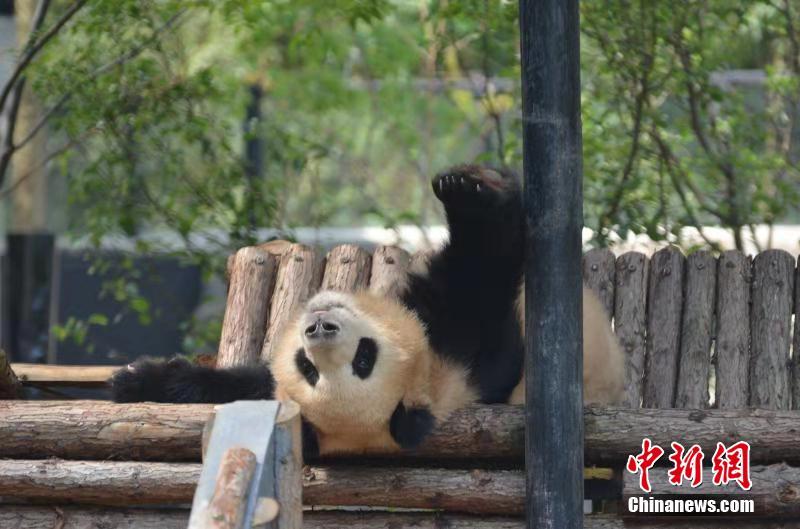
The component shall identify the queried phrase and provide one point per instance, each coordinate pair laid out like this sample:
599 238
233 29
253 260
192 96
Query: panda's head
354 363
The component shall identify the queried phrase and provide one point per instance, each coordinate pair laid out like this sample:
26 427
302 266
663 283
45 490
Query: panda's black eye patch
364 361
306 368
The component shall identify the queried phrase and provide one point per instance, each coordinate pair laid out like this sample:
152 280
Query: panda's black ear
409 426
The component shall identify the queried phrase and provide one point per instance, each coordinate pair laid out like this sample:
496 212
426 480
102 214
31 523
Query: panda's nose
322 328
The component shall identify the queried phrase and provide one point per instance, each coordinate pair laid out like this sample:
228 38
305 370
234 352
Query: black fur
179 381
310 442
409 426
467 299
364 360
306 368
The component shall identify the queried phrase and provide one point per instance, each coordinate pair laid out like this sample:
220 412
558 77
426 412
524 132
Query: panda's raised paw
471 186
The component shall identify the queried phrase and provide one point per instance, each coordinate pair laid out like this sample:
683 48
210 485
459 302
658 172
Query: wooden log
228 504
102 430
599 273
289 466
120 483
99 430
734 276
347 269
630 317
484 492
796 342
403 520
389 270
605 443
67 517
696 331
664 306
247 309
276 248
775 488
476 491
9 383
299 278
62 375
134 483
770 325
420 259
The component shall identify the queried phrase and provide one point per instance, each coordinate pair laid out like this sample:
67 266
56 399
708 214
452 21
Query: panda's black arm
179 381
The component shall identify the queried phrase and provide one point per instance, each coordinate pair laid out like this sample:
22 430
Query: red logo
732 464
644 461
686 464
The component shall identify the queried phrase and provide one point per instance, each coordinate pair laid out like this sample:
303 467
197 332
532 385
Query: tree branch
64 148
9 147
11 127
672 162
34 45
641 101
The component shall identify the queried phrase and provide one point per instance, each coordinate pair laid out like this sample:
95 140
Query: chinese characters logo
728 464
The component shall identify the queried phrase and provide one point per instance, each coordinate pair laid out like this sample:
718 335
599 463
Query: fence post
554 219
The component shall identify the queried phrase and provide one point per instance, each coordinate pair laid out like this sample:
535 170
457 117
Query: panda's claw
473 187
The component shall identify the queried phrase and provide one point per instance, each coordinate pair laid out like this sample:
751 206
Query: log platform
707 339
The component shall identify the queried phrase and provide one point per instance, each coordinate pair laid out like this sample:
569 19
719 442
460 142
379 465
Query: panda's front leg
484 211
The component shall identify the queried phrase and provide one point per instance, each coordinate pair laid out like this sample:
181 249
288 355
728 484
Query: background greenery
362 100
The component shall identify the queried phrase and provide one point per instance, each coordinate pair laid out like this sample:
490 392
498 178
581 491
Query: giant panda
375 374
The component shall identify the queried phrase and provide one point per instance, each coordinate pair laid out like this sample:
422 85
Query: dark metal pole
554 215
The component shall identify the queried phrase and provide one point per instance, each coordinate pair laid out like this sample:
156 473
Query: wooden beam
775 488
664 308
389 271
125 483
630 320
771 330
697 326
299 276
67 517
468 491
71 517
465 491
9 383
172 432
734 274
347 269
101 430
244 326
63 375
118 483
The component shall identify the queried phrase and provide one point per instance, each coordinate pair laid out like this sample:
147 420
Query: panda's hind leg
484 210
466 298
